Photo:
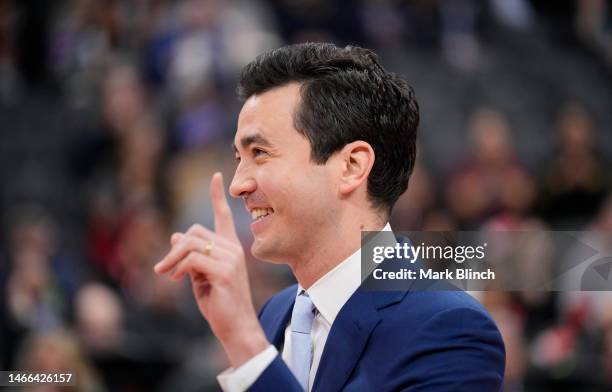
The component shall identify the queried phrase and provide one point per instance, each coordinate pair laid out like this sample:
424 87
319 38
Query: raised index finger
224 222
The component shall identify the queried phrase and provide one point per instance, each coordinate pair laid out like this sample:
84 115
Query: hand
216 263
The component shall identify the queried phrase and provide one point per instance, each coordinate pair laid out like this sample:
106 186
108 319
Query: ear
357 159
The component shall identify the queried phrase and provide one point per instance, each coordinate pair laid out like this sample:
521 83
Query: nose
242 184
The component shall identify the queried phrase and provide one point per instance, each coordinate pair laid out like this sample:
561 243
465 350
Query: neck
332 247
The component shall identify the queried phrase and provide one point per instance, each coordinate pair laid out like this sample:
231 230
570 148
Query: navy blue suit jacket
395 341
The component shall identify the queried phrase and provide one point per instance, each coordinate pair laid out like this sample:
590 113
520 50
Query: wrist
240 347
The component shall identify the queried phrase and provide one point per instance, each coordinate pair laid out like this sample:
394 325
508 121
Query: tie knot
303 315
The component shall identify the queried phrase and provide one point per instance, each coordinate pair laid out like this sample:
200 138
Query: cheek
275 183
299 191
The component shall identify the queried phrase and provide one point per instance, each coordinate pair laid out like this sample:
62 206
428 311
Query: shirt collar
333 290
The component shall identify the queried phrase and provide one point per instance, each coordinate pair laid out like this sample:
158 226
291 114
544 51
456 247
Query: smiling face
293 200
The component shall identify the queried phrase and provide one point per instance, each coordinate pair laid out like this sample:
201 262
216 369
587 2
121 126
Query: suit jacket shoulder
432 341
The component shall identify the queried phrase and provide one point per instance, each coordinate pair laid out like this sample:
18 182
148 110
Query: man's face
292 199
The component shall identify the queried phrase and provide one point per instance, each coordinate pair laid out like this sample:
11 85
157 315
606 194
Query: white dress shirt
328 295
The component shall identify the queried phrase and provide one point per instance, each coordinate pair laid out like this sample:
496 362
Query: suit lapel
346 341
275 328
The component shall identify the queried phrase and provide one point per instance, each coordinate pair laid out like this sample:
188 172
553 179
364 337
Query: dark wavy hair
346 95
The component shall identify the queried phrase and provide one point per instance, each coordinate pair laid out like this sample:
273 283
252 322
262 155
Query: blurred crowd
115 113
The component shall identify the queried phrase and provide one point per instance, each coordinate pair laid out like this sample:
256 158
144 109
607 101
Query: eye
258 151
237 158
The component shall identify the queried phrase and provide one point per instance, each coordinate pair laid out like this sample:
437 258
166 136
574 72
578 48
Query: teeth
257 213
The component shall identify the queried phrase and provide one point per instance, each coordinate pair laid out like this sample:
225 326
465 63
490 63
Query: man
325 146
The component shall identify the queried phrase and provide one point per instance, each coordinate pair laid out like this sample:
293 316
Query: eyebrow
255 138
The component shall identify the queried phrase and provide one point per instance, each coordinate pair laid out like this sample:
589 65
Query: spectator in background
120 164
99 319
82 42
460 43
42 280
478 189
581 285
510 325
576 183
58 352
100 323
525 257
206 43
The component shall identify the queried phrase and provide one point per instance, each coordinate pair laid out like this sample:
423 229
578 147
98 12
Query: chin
263 250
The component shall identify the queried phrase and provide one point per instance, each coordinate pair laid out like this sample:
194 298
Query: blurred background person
58 352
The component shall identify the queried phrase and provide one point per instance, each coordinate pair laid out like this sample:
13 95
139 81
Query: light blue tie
301 345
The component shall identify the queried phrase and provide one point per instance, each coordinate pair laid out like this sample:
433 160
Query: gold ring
208 248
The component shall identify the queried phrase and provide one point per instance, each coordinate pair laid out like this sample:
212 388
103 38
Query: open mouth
260 213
